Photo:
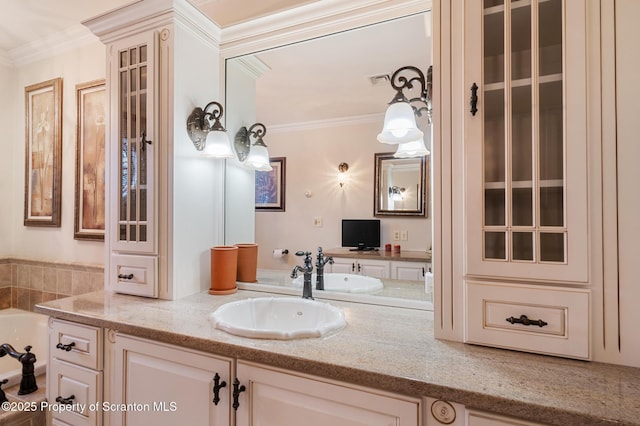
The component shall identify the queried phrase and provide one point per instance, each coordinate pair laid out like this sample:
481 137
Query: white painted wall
8 113
75 66
312 158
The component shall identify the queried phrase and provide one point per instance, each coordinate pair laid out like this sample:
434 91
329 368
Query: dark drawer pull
66 401
524 320
65 347
125 277
217 385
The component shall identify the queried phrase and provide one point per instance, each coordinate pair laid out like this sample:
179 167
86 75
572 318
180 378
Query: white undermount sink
345 283
278 318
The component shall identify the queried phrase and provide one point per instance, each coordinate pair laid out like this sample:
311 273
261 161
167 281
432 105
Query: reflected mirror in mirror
400 185
323 102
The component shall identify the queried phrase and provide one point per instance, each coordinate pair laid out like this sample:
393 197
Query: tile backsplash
25 283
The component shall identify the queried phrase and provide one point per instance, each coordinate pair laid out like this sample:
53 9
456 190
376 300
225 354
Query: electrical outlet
404 235
317 222
396 235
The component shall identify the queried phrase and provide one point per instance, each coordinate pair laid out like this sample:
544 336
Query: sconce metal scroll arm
242 142
400 82
199 123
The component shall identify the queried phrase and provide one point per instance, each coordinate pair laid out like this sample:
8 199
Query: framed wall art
270 186
90 161
43 153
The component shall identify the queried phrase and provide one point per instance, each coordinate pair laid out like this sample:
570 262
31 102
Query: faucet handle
303 253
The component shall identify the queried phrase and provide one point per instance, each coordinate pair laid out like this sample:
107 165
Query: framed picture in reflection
270 186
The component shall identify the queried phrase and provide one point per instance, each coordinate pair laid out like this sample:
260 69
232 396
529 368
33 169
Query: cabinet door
275 398
411 271
133 144
373 268
478 418
525 147
171 385
343 266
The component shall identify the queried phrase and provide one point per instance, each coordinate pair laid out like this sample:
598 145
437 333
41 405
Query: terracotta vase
224 263
247 262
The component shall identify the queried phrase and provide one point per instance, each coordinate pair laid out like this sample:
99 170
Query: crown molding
69 39
326 123
144 15
312 20
252 66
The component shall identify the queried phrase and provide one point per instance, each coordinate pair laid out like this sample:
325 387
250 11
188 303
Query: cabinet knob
217 385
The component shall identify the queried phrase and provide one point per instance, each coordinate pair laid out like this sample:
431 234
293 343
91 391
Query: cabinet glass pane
551 131
494 207
492 3
522 245
494 138
522 207
550 37
552 247
552 206
494 245
493 47
133 56
520 41
521 135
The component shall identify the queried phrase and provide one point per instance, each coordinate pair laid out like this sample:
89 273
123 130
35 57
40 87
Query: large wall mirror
322 101
400 186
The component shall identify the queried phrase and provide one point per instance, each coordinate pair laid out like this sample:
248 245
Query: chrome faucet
307 292
28 382
321 260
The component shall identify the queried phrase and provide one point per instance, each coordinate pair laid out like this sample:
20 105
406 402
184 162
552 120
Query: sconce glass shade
258 158
412 149
399 124
218 145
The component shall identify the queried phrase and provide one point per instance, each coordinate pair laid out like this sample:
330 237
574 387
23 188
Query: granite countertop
386 348
403 255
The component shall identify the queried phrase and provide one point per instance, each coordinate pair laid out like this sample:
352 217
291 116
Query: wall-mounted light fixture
255 156
400 126
342 173
395 193
210 139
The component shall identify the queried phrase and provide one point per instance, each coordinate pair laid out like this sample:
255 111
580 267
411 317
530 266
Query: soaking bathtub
21 328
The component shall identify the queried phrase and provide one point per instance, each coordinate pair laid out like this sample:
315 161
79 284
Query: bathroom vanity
405 265
384 365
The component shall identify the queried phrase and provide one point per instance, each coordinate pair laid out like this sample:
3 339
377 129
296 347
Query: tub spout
27 359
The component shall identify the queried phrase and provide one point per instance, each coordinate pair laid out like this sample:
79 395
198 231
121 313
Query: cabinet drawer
542 319
85 343
132 274
82 387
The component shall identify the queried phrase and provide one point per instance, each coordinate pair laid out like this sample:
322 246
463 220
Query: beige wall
8 111
48 244
312 158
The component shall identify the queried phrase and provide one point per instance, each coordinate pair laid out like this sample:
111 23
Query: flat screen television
362 234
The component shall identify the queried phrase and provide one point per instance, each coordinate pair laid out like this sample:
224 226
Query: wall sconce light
210 139
255 156
342 175
400 119
395 193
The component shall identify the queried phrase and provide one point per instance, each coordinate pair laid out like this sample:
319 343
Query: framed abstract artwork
90 152
270 186
43 153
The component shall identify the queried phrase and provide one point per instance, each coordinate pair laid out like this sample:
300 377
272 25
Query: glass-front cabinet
525 140
133 181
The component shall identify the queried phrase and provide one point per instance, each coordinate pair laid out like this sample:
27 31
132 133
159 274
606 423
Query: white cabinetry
525 180
409 271
278 398
369 267
170 385
74 376
525 147
156 180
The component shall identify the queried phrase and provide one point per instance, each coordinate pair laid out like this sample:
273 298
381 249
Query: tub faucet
321 260
27 359
307 292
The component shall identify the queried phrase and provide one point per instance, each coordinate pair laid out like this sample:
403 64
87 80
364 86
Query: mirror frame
379 158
